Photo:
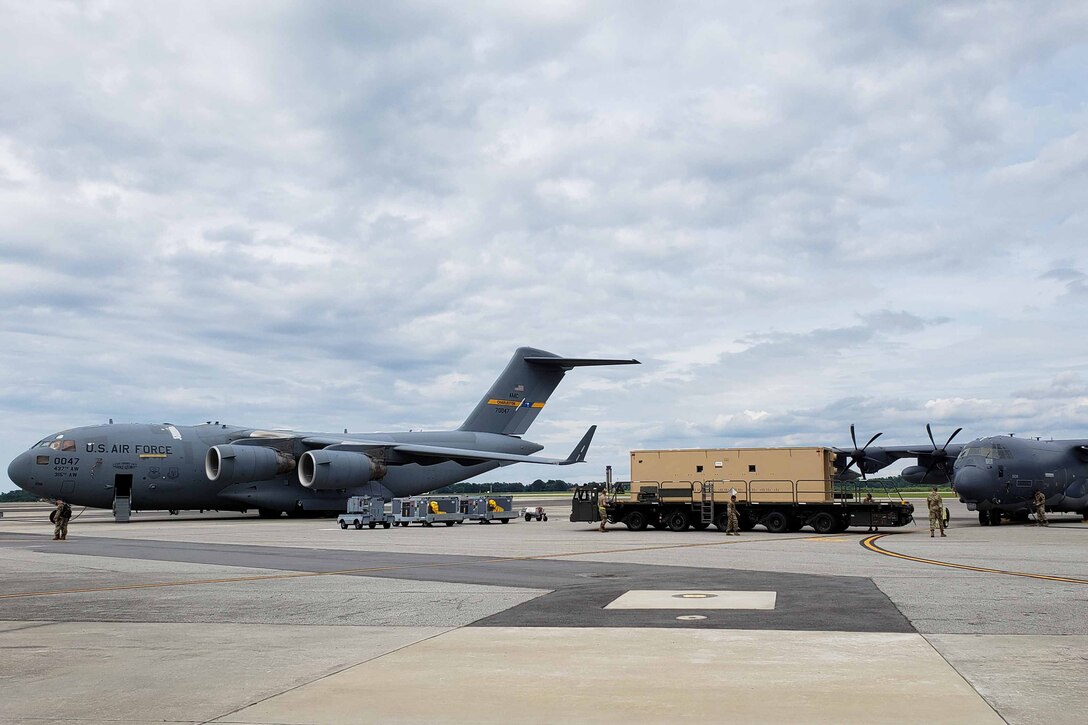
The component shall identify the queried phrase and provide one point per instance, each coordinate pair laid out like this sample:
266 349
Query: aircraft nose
19 469
972 483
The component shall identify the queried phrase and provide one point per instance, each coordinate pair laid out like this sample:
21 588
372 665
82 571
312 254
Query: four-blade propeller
857 456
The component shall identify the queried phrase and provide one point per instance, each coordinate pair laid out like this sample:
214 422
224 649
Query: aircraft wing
578 455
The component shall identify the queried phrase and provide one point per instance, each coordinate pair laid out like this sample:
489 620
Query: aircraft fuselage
1002 473
162 467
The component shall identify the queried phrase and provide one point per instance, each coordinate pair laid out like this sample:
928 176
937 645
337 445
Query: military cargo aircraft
223 467
995 476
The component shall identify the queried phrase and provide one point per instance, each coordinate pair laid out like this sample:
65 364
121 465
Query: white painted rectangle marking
692 599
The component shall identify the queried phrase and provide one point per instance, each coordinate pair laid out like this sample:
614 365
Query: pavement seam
962 677
345 668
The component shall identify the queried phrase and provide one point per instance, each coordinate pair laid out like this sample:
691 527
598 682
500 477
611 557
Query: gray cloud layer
317 215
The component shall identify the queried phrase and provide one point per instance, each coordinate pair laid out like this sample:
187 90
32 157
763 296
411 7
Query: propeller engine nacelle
927 475
324 469
241 464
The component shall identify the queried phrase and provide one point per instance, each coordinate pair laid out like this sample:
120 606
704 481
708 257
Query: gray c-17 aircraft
995 476
222 467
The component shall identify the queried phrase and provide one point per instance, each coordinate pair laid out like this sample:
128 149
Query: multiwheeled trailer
427 510
486 509
700 504
365 511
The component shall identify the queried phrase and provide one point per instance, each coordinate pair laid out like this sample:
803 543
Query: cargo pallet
486 509
679 505
427 510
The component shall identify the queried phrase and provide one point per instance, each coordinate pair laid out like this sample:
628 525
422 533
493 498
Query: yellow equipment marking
370 570
869 544
505 403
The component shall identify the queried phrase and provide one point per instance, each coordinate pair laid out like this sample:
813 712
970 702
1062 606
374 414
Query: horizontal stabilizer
577 362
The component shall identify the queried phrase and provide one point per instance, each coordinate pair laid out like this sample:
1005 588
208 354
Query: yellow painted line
829 538
370 570
869 543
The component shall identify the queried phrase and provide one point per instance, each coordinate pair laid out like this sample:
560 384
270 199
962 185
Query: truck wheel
528 517
823 523
635 521
372 524
722 523
983 518
343 524
450 523
545 517
777 522
385 525
358 524
505 521
677 521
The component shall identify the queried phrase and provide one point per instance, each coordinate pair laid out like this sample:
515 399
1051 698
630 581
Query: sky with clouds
797 215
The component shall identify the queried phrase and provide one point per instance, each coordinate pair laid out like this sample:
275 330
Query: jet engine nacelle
241 464
917 475
325 469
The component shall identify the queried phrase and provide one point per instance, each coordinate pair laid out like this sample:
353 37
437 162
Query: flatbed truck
679 505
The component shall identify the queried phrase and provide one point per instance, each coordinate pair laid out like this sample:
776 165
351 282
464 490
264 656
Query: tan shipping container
762 475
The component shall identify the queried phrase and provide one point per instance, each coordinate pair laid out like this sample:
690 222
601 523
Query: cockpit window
986 450
66 444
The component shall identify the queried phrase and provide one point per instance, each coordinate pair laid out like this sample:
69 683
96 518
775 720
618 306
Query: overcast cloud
320 216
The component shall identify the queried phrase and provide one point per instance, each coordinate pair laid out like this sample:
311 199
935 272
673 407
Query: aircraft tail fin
519 393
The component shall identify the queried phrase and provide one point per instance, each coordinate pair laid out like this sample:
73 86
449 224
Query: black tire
948 516
505 521
450 523
777 522
358 524
343 524
635 521
268 513
372 524
823 523
722 522
385 525
544 517
677 520
983 518
528 517
995 517
842 523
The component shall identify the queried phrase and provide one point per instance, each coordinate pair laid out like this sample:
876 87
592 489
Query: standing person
936 511
733 526
61 515
869 500
1040 508
602 509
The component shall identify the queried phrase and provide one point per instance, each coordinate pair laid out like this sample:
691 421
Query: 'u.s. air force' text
126 448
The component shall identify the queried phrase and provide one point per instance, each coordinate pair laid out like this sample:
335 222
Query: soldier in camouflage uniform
936 511
602 503
733 527
61 516
1040 508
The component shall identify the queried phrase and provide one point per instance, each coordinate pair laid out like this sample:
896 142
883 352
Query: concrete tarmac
228 618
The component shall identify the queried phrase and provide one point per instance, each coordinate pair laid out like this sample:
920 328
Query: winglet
578 455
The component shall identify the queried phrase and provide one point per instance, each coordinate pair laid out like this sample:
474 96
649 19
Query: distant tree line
17 495
536 486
